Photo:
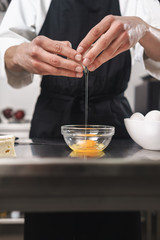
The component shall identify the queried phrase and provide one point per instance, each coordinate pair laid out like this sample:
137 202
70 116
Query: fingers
57 61
67 43
113 35
95 33
119 45
57 47
54 57
115 31
46 69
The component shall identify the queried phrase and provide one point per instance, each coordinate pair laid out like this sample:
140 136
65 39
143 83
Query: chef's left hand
113 35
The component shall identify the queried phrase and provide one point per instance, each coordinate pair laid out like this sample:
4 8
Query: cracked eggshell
137 116
152 116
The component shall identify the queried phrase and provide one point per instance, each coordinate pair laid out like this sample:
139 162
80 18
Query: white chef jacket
24 19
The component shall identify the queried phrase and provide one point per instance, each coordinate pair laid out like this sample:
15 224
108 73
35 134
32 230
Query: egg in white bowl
137 116
145 130
152 116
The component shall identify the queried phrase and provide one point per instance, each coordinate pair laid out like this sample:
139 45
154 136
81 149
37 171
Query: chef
55 39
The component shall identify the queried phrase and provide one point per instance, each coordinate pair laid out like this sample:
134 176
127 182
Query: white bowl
144 133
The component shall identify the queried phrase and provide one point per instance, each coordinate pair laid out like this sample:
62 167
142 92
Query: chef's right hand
45 57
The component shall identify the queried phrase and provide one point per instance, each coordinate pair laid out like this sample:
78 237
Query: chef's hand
113 35
45 57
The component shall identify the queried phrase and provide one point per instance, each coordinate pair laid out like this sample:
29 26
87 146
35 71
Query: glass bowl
93 138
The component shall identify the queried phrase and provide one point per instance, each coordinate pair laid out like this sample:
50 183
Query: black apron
62 102
62 98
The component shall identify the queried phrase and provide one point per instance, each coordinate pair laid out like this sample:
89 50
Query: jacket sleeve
151 14
149 11
21 23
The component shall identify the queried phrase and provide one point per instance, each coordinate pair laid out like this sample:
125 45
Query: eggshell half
137 116
152 116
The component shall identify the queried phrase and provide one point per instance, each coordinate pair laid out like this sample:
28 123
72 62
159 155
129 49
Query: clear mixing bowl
93 138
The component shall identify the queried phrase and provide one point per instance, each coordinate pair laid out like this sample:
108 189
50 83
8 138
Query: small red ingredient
19 114
8 113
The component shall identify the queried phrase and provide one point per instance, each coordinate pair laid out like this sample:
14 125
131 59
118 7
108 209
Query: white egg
137 116
152 116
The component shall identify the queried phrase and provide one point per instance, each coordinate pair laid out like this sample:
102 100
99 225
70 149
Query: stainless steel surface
17 129
11 221
44 177
11 232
